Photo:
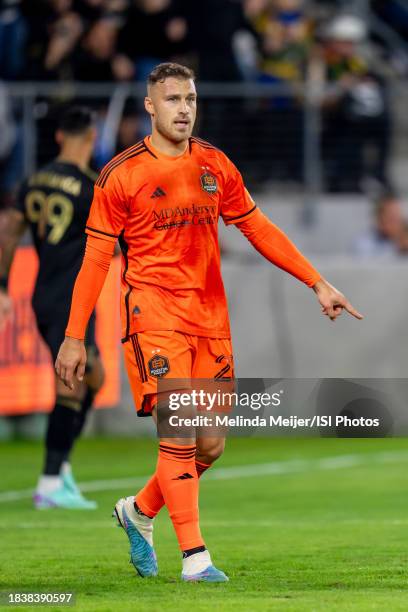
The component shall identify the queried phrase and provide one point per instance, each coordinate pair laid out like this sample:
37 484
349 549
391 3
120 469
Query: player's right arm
14 227
106 221
71 359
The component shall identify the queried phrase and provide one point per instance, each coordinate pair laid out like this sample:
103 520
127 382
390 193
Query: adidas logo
158 193
184 476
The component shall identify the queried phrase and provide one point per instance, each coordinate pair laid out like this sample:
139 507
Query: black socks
60 433
193 551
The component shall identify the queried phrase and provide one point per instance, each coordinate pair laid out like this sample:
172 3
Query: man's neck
167 147
76 156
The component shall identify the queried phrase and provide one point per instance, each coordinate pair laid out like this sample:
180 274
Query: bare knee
209 450
74 394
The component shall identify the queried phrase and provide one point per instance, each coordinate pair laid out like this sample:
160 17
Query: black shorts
53 333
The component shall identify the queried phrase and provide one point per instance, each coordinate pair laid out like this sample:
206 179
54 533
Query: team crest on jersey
209 182
159 366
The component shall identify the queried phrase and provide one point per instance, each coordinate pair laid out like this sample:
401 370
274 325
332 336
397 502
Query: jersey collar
161 155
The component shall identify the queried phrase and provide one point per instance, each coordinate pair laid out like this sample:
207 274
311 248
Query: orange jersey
165 212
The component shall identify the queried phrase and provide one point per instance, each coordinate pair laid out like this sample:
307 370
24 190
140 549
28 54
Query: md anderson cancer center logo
181 216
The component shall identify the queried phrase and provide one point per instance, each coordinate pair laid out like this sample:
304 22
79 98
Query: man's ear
92 134
59 137
148 104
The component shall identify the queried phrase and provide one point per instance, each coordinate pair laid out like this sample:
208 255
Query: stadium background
309 100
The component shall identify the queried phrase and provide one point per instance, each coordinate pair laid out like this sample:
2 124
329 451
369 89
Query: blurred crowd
387 237
104 40
280 42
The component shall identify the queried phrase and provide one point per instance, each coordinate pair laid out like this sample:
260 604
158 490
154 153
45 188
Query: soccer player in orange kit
162 199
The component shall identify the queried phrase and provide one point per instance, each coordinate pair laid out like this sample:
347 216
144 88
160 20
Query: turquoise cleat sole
142 555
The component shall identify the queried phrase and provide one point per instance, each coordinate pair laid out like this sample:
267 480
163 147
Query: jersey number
54 210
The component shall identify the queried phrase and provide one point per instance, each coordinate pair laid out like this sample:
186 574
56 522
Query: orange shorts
154 355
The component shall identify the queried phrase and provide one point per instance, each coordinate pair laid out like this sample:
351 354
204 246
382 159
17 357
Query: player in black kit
54 203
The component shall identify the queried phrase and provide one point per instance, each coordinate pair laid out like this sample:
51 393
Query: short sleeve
109 211
237 204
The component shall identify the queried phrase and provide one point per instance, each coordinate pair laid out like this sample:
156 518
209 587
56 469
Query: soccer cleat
142 554
209 574
70 485
62 498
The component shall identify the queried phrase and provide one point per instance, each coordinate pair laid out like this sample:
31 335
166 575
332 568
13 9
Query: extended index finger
351 310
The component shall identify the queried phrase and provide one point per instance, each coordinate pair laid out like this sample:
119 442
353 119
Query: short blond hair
169 69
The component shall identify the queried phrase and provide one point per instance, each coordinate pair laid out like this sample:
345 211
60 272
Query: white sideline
240 471
287 523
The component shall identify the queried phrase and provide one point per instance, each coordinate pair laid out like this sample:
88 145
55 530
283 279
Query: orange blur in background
26 370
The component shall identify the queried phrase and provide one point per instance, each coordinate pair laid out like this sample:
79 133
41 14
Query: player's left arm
275 246
332 301
238 208
14 227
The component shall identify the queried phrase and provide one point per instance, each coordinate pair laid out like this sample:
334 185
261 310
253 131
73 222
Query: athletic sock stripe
176 454
177 446
141 357
179 452
179 457
168 450
119 162
191 453
181 449
115 159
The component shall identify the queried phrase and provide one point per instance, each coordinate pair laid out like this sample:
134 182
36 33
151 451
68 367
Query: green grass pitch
325 529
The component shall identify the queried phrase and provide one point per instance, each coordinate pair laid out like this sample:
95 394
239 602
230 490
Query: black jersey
55 202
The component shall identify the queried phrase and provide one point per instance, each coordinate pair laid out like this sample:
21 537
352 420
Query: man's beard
172 136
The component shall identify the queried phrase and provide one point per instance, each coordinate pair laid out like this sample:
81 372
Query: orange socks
150 499
178 482
175 484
